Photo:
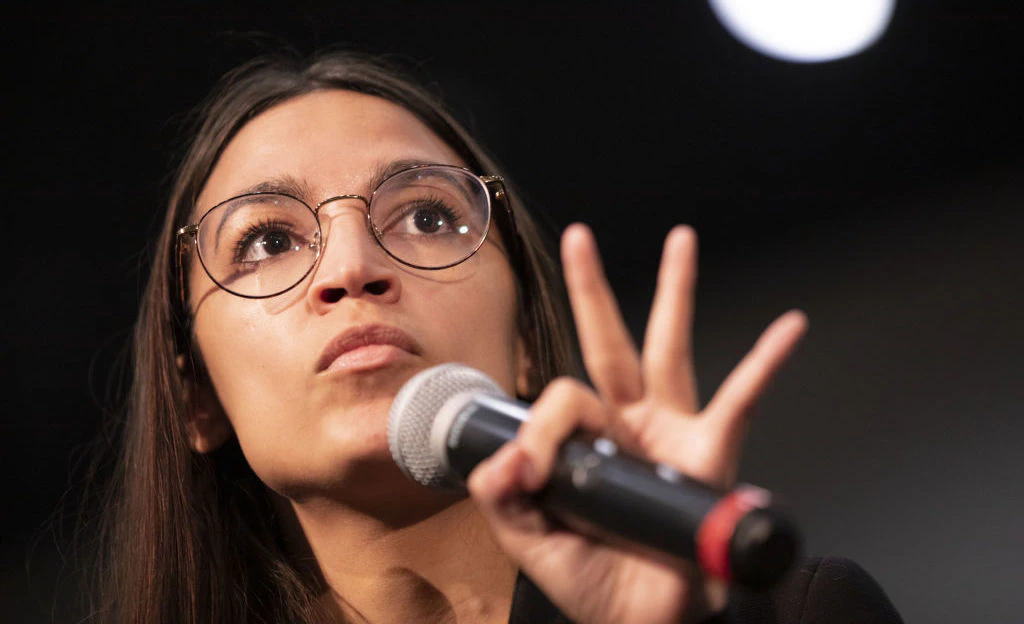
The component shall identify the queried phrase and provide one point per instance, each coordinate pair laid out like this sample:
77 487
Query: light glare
805 31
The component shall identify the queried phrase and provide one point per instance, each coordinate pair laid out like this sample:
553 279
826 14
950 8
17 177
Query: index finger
608 351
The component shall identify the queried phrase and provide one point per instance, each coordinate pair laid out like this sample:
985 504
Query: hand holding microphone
448 419
646 403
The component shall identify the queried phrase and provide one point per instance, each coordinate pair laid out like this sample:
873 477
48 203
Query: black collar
531 606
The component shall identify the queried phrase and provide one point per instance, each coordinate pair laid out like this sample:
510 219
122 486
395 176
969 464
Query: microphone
447 419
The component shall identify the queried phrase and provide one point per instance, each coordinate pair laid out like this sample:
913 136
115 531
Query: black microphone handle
604 493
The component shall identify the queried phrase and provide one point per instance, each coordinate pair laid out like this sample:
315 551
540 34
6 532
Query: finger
608 350
564 407
523 530
667 362
552 557
496 484
747 382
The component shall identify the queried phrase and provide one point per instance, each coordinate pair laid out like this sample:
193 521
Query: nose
352 265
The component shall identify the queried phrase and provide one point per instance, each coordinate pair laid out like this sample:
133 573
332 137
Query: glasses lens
431 217
259 245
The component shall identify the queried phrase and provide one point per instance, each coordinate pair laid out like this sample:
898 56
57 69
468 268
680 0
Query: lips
365 336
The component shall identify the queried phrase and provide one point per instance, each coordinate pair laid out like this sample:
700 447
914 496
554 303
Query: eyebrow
284 185
301 188
384 171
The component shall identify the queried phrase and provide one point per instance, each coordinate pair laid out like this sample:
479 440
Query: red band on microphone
715 532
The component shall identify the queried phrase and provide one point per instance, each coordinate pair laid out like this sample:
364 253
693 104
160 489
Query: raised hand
647 402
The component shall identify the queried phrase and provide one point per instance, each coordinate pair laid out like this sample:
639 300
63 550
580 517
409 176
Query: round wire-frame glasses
262 244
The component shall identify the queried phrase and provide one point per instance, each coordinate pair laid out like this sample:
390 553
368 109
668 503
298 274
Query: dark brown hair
189 537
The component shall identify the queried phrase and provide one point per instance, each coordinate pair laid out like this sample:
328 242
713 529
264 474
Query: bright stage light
805 31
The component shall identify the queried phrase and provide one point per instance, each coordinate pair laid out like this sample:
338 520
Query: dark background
880 193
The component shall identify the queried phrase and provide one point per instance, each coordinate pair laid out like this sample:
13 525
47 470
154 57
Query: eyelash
255 230
438 205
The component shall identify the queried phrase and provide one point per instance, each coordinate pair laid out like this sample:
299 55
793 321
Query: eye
429 220
265 240
427 217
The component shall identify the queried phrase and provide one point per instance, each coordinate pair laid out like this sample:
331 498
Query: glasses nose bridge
340 198
326 222
337 198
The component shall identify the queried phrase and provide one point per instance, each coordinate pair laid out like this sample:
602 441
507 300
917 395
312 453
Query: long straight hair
187 537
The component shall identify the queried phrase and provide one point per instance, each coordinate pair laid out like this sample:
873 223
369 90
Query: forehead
332 141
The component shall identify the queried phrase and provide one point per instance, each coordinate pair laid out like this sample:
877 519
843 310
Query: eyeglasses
429 217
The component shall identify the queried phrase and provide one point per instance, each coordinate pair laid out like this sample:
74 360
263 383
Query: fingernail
527 473
512 505
794 318
577 229
682 230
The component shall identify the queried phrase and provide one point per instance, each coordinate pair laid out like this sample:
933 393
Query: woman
331 232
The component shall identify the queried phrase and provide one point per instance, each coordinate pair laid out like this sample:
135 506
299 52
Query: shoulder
831 590
822 590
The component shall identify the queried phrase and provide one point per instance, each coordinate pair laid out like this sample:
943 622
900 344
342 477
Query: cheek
475 323
250 358
240 342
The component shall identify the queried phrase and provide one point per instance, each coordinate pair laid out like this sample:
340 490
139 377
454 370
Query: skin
385 547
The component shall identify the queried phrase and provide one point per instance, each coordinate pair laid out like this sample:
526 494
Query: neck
445 567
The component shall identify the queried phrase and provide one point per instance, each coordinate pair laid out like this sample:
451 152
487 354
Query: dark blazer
829 590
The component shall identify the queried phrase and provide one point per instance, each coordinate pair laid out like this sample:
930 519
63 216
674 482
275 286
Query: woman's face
312 422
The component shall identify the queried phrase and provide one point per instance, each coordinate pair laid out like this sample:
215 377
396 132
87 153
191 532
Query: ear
207 424
525 372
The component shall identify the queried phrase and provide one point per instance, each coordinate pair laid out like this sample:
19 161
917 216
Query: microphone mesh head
413 412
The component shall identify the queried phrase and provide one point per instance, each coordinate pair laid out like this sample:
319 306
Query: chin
373 485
